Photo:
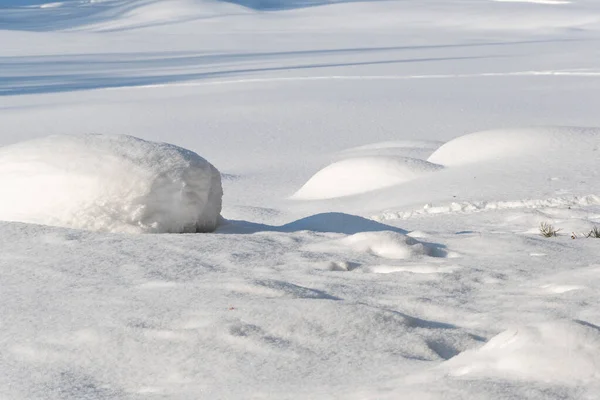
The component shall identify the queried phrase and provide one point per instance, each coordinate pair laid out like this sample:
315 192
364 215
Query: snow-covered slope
427 141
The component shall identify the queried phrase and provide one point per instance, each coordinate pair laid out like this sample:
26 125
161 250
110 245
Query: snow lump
362 174
109 183
537 144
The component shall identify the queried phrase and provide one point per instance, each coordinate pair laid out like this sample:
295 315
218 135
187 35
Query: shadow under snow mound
109 183
332 222
506 144
556 351
362 174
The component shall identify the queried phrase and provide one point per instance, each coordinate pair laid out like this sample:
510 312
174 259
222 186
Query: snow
538 144
386 244
109 183
458 125
527 150
362 174
556 351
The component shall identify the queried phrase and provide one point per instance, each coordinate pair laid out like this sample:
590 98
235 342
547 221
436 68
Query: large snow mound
362 174
556 351
505 144
109 183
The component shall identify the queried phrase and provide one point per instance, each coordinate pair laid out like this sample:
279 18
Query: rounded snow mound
362 174
504 144
557 351
391 245
109 183
384 244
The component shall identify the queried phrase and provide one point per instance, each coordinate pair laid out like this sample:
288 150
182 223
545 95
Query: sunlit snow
372 231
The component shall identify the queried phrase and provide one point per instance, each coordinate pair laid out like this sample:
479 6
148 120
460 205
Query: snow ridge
480 206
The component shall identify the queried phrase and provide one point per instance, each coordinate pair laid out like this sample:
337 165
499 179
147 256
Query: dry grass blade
594 233
548 230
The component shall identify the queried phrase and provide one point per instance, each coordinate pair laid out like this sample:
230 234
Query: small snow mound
392 245
384 244
109 183
557 351
362 174
514 143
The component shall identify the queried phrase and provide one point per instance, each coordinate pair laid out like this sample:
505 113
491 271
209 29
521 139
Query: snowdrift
505 144
555 351
362 174
109 183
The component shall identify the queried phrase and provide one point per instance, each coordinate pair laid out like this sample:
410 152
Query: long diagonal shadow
74 82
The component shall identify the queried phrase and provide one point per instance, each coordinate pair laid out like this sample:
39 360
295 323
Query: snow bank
505 144
109 183
362 174
557 351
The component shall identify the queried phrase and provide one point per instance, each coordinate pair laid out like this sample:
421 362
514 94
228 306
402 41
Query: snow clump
109 183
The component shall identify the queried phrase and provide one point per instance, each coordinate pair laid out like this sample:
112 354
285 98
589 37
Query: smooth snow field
375 173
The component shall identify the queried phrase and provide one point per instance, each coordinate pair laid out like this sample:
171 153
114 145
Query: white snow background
385 168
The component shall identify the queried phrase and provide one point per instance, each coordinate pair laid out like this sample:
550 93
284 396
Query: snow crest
109 183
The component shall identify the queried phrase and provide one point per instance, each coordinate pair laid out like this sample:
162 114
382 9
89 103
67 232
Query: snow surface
433 287
109 183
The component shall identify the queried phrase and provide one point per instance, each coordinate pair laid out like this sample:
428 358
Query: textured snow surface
428 139
109 183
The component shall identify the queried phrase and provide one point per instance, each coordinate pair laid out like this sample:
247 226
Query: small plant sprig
547 230
594 233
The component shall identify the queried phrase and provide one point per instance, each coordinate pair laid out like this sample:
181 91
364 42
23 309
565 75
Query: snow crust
109 183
